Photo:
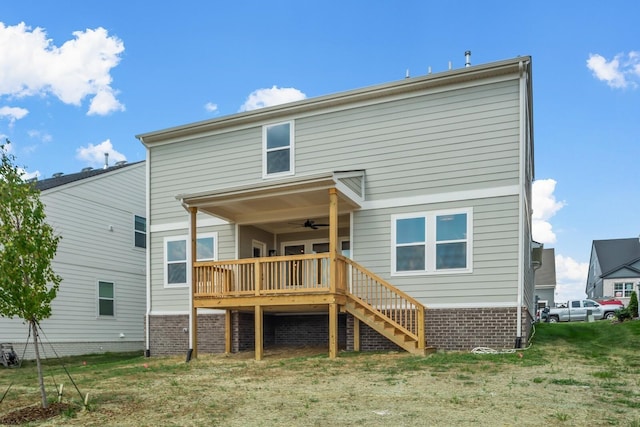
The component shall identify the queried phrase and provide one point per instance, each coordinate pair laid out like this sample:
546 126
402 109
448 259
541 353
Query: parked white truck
580 310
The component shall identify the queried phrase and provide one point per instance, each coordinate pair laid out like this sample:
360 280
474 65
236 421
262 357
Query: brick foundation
170 333
446 329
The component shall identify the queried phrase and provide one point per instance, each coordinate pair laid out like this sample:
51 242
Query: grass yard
573 374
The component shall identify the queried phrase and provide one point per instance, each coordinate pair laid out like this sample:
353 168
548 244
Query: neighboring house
101 216
373 205
614 269
546 279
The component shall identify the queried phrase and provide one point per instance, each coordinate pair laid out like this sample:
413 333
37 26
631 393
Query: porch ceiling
274 201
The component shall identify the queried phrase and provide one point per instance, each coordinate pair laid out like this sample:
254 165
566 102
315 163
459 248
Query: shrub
633 305
624 314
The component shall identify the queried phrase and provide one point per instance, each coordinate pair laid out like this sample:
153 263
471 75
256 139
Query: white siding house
433 180
100 305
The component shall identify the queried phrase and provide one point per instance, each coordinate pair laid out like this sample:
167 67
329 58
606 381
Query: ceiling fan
311 224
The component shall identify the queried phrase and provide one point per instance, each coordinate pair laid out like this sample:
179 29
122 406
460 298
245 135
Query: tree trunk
43 392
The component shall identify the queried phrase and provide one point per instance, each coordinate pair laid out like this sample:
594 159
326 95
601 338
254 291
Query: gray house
545 279
393 216
100 214
614 269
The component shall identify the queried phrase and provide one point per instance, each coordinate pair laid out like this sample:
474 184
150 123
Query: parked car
577 310
605 301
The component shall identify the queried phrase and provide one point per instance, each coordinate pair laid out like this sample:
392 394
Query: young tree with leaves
28 244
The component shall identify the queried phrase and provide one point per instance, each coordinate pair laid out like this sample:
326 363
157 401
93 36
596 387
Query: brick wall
169 334
445 329
467 328
455 329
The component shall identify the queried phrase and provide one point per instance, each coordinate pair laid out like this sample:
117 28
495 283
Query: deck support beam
356 334
259 331
193 314
228 331
333 331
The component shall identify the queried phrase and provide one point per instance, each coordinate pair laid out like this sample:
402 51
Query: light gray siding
95 217
407 147
432 143
167 299
495 262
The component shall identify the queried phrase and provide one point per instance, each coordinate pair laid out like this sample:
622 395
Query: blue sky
79 78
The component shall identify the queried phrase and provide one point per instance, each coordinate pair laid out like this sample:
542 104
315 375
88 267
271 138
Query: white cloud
571 278
80 68
620 72
93 155
42 136
545 206
28 175
261 98
211 107
13 113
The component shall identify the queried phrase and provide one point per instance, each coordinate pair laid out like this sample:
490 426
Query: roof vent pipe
467 58
106 160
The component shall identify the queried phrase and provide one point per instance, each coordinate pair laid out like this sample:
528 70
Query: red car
610 301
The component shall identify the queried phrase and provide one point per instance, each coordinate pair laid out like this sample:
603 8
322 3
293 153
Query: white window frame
184 238
431 243
623 285
291 149
135 232
98 298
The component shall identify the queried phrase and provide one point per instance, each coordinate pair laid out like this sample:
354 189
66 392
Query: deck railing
390 303
309 273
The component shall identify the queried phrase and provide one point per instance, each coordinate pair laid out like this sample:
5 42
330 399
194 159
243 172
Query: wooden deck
303 283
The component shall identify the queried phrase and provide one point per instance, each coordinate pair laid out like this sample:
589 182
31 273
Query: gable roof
616 253
57 181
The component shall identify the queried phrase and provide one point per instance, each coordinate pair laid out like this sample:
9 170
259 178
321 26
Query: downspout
521 208
147 344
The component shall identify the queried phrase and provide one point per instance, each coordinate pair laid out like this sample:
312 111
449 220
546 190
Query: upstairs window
278 153
106 299
431 242
140 231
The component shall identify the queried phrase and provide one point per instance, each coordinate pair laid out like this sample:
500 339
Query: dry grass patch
304 388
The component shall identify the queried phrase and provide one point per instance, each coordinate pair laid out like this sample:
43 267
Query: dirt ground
305 388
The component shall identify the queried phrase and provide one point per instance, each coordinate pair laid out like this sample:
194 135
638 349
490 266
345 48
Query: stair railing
386 301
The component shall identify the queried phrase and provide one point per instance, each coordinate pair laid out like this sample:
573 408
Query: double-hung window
176 269
106 299
432 242
277 149
623 289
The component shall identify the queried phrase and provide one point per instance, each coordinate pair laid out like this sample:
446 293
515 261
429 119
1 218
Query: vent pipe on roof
467 58
106 160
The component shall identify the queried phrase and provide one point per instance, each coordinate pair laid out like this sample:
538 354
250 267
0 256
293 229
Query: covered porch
325 282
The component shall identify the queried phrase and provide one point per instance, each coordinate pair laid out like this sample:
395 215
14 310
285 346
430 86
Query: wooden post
333 239
356 334
333 330
193 329
258 277
422 342
228 331
259 331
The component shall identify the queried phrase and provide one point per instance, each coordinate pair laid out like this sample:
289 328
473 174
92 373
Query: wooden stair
385 326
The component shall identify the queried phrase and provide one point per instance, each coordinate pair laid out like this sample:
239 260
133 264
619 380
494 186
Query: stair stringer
385 326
